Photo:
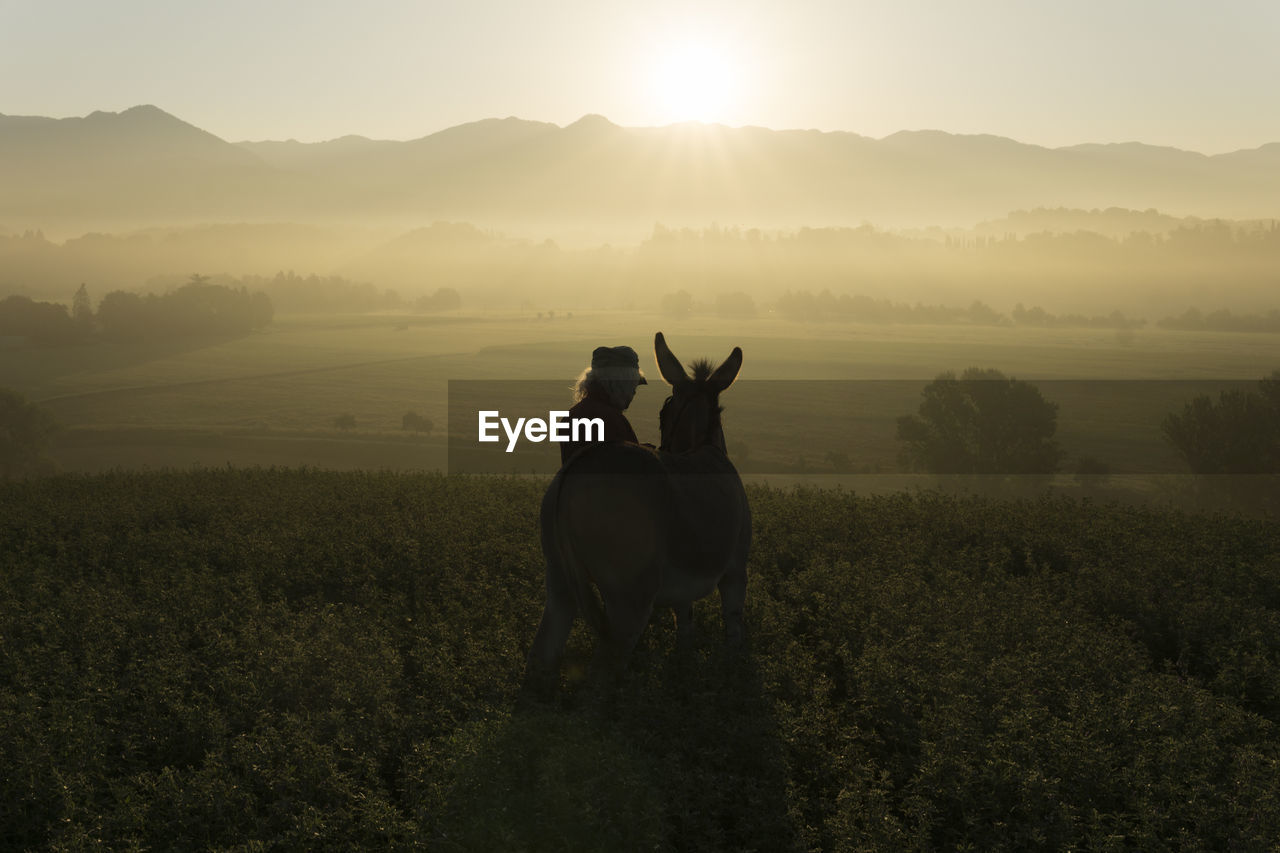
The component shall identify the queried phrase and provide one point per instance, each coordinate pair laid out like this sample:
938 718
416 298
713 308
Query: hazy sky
1190 73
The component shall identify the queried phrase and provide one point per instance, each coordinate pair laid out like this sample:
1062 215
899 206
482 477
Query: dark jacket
597 405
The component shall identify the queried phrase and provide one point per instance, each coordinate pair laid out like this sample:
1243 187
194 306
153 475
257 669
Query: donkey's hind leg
628 615
733 599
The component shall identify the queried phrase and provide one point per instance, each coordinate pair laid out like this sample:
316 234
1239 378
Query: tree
981 423
25 430
345 422
1237 435
124 315
82 311
261 311
417 423
444 299
195 308
677 304
839 461
40 322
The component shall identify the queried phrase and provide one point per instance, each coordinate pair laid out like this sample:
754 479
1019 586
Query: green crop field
258 659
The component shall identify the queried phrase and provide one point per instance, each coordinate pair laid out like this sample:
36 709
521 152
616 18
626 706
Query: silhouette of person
605 390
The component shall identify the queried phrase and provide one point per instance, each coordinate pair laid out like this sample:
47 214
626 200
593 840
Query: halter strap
708 439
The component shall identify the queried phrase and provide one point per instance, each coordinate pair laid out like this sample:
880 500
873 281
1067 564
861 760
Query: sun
694 81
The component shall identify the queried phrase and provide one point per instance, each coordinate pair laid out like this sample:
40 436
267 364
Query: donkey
647 529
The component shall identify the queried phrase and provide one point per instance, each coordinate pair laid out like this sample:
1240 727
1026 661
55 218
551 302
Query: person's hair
614 389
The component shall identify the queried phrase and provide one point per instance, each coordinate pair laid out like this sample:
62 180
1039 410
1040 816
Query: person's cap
617 363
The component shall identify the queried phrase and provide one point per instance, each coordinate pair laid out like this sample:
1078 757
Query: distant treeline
1087 271
196 308
1223 321
806 306
1037 316
202 307
809 307
295 294
1115 222
1066 279
1081 273
41 322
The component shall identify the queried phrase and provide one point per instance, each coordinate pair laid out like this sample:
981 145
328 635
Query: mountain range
145 166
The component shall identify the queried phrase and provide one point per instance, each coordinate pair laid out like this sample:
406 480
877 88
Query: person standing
605 390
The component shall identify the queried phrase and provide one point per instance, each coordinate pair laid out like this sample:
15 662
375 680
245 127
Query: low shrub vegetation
246 659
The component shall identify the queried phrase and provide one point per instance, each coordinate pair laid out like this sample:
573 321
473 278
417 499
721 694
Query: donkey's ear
727 372
668 365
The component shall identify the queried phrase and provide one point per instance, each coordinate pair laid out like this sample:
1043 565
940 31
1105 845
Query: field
807 391
254 659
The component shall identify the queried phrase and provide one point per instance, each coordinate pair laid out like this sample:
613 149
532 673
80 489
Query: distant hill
144 165
141 165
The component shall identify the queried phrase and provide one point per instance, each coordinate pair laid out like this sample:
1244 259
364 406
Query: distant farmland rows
274 397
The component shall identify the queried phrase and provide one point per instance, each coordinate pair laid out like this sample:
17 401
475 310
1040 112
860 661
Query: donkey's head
690 418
